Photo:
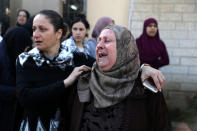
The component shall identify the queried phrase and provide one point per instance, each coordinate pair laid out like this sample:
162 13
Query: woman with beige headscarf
111 97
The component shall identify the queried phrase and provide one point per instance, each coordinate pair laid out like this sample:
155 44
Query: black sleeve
37 97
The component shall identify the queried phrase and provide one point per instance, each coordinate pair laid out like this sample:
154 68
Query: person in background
100 24
79 30
15 41
22 17
151 48
111 96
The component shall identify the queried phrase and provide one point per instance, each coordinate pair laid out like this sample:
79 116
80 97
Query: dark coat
144 111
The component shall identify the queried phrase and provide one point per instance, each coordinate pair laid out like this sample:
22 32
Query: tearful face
106 52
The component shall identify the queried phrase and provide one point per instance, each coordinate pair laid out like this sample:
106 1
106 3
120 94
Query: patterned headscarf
109 88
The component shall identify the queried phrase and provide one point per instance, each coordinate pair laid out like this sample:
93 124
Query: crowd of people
49 72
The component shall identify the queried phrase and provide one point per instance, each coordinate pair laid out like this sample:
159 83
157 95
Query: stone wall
178 29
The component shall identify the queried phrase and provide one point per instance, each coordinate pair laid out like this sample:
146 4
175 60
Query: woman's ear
59 34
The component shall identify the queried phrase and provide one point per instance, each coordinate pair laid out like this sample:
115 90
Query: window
72 8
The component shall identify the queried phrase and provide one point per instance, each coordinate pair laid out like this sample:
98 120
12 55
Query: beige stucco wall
34 7
116 9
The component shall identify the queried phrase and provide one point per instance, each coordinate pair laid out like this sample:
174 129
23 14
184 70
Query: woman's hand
75 74
155 74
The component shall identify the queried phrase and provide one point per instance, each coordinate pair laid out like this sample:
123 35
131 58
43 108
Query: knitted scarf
64 58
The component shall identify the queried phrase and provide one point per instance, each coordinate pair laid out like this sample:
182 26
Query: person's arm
156 75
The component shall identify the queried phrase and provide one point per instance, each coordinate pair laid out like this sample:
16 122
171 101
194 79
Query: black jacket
41 89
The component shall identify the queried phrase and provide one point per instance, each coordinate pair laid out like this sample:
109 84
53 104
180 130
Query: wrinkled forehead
107 33
118 30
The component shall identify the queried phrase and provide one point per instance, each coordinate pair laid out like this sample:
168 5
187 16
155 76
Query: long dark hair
81 18
26 12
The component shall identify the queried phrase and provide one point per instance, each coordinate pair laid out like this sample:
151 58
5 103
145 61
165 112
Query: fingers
83 68
159 79
155 74
142 78
79 70
157 82
75 74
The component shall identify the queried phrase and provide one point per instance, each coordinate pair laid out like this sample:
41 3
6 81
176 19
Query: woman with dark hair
152 49
15 41
41 72
22 17
79 30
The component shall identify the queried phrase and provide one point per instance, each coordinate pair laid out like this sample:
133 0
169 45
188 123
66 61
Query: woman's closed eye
107 40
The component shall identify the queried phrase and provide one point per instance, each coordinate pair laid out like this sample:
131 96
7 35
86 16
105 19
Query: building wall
116 9
178 29
33 7
14 6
